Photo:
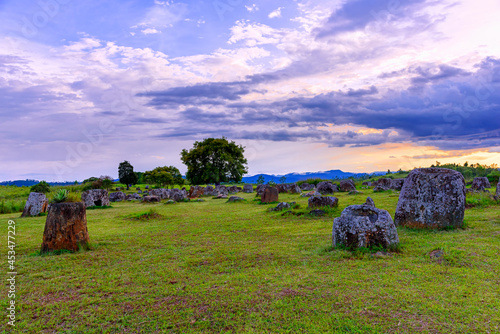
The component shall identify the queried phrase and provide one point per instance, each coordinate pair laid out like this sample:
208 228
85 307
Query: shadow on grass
359 252
99 207
145 215
89 247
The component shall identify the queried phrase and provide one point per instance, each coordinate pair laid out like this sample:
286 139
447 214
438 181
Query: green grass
217 267
11 206
13 199
481 199
97 207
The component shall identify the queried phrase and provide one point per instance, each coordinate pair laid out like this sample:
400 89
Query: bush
493 177
310 181
99 207
12 206
60 196
147 215
87 186
90 179
42 187
97 184
481 199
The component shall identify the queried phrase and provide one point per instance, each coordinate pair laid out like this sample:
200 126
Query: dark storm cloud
360 92
11 59
16 102
450 104
357 14
436 73
353 15
213 93
194 132
154 120
200 115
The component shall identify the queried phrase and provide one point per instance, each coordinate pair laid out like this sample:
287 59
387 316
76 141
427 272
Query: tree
126 173
493 177
260 179
283 179
106 182
140 177
90 179
214 160
42 187
164 176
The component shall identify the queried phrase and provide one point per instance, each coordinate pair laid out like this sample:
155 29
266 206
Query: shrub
87 186
60 196
481 199
147 215
493 177
97 184
42 187
310 181
12 206
99 207
90 179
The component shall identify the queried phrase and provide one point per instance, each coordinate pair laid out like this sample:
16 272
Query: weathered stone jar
269 195
65 227
431 198
248 188
95 197
322 201
364 226
480 184
37 203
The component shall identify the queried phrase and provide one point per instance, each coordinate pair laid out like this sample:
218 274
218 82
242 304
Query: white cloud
150 31
224 64
163 15
275 13
254 34
83 44
252 8
91 79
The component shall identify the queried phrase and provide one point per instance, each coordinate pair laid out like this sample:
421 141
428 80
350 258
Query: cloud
252 8
150 31
275 13
164 14
361 92
439 115
211 93
254 34
426 74
358 14
344 74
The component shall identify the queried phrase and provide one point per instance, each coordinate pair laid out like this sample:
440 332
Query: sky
304 86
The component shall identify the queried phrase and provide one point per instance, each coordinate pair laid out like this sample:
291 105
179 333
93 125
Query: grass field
203 267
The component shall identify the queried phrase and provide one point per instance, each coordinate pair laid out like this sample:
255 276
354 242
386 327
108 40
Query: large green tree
164 176
214 160
126 173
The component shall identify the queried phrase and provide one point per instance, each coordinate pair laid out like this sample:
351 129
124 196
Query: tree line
211 161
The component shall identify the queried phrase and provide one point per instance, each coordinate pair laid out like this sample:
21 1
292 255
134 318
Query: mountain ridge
290 178
294 177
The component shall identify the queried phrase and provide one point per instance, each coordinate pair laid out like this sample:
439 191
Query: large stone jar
431 198
66 227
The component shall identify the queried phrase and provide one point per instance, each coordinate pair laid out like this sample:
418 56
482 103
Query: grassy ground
234 267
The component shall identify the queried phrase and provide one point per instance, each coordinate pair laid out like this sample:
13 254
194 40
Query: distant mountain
29 183
294 177
290 178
